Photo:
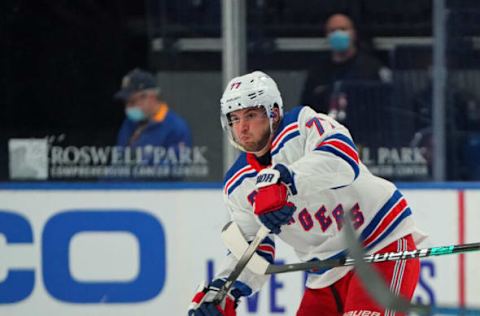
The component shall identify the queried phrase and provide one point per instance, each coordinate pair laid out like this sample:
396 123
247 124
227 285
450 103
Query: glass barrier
463 90
62 119
60 122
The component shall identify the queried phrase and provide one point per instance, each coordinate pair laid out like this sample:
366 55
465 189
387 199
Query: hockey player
298 175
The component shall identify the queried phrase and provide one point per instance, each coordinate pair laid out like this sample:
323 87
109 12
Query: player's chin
251 146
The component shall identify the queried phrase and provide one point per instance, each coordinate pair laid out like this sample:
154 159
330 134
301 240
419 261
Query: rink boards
142 249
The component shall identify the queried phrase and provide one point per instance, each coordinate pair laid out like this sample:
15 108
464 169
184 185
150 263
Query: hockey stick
235 241
241 264
378 289
374 258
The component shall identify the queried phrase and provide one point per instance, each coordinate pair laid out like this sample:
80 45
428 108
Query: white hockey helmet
255 89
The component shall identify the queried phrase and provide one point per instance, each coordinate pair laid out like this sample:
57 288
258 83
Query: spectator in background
462 130
149 120
347 62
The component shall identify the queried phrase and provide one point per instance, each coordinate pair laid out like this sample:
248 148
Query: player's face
251 128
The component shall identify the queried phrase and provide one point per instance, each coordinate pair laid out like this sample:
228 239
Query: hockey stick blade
234 240
241 264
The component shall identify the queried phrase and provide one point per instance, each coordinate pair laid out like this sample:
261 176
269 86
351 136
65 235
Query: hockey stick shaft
374 258
241 264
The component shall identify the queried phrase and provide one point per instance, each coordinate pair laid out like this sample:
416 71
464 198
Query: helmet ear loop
271 123
274 115
271 116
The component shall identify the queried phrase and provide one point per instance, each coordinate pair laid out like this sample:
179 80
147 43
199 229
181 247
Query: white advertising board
143 252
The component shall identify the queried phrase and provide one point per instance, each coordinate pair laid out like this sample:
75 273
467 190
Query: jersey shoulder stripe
237 173
287 130
343 147
386 220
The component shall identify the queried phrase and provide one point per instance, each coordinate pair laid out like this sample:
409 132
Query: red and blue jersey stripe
341 146
393 212
267 249
289 132
239 171
237 178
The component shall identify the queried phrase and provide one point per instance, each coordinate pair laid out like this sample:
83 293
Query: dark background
62 60
60 63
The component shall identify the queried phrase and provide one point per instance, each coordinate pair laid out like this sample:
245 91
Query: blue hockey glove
271 202
202 303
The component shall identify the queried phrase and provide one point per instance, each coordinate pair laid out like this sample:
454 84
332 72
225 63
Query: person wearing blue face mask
149 120
339 41
345 62
341 35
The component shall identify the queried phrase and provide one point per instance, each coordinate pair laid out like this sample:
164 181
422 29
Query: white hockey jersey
330 180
